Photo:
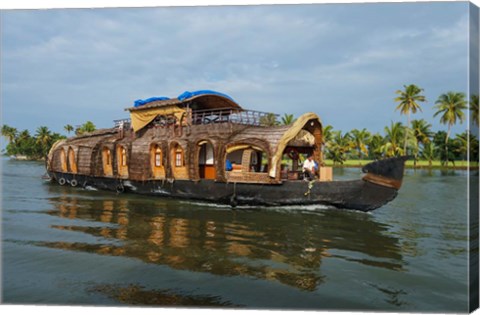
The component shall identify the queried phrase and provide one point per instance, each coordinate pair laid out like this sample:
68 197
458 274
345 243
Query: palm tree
327 134
360 139
421 131
9 132
474 108
467 145
374 146
288 119
408 103
68 128
44 137
421 134
85 128
429 153
269 120
450 106
339 146
391 146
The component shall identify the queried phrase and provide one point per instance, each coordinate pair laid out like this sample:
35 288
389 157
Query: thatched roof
291 134
96 133
277 138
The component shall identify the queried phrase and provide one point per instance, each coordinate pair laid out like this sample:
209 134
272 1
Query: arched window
63 160
158 156
179 159
156 161
122 161
107 162
177 162
124 157
246 163
72 164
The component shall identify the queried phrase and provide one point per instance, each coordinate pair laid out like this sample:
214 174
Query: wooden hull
355 194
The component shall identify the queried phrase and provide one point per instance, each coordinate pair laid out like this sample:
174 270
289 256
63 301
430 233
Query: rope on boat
310 185
233 199
120 188
85 181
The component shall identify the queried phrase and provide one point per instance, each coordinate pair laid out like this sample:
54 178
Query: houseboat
204 146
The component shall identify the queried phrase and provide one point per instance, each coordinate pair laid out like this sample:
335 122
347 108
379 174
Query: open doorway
206 161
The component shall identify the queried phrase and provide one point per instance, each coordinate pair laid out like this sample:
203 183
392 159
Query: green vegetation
85 128
352 148
416 139
408 164
22 144
450 106
408 103
36 147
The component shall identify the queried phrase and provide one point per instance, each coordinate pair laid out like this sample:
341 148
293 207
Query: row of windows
156 159
68 162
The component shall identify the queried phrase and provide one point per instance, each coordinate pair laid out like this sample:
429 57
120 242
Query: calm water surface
64 245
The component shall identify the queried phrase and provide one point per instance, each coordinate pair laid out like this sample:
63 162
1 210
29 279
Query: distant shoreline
444 168
421 165
22 158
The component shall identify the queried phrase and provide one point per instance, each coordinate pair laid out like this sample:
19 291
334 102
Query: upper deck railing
243 117
125 123
222 115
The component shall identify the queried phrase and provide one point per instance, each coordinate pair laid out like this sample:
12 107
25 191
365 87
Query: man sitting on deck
309 168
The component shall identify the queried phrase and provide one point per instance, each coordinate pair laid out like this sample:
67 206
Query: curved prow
388 172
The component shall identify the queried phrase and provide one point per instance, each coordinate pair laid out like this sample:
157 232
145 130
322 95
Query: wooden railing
222 115
244 117
122 122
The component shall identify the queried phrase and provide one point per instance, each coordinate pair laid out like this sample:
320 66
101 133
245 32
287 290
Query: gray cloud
343 61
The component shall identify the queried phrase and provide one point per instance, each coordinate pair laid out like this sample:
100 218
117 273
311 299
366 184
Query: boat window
178 158
156 163
124 157
107 162
72 164
106 157
158 157
63 160
122 162
249 159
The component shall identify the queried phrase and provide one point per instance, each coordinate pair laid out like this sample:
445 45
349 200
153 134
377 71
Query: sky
341 61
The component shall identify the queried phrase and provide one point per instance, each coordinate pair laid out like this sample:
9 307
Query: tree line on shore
415 138
37 146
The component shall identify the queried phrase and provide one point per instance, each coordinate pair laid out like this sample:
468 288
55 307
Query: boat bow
387 172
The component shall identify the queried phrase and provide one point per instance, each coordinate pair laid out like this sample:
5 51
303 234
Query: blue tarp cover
185 95
188 94
148 100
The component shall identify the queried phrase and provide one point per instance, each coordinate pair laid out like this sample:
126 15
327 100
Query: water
71 246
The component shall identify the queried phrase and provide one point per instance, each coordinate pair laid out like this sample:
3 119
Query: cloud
342 61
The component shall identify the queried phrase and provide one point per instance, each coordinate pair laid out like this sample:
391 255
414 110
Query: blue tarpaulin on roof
148 100
188 94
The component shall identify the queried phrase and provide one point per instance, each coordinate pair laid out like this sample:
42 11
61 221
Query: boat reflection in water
277 245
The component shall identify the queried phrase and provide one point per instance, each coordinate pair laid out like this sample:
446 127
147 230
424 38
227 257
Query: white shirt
309 165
